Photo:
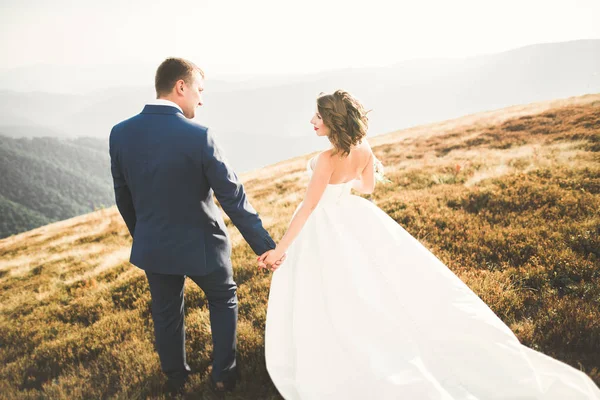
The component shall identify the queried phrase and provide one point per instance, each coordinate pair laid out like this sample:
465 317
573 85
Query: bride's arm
320 178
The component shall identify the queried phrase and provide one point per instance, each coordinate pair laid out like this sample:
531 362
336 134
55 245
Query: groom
165 170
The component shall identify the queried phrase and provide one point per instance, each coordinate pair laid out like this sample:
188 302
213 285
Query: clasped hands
271 260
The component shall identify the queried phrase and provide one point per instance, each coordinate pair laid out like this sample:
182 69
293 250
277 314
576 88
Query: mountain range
49 179
266 120
54 153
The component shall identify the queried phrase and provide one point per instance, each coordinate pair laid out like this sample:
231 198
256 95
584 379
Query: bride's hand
271 260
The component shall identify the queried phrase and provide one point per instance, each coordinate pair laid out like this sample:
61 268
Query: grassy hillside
47 179
508 200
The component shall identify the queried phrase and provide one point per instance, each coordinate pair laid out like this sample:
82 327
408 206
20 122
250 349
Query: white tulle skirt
362 310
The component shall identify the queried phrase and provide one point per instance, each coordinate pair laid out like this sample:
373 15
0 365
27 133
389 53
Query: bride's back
351 166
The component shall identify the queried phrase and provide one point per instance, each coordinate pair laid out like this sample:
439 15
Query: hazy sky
264 36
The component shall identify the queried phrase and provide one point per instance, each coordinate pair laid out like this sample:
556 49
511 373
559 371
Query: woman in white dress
362 310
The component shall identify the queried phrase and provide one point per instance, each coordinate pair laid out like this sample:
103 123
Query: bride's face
320 128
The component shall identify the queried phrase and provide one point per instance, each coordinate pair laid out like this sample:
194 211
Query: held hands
271 260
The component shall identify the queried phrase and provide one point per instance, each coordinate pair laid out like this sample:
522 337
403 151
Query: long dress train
362 310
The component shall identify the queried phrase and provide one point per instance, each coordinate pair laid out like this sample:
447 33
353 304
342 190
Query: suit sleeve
122 194
232 197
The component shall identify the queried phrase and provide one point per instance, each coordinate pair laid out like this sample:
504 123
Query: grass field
508 199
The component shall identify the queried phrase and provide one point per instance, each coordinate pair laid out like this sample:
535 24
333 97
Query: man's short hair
170 71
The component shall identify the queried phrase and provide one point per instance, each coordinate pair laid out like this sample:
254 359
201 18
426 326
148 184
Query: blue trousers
169 324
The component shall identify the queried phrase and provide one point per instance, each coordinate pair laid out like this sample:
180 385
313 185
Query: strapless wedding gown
362 310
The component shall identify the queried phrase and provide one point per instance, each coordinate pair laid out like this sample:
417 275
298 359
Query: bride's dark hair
346 119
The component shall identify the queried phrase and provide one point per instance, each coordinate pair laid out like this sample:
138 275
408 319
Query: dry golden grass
508 199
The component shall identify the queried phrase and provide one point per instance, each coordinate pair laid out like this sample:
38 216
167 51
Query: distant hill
43 180
271 115
507 199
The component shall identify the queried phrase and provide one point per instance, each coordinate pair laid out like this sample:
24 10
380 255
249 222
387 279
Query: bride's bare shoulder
363 148
324 157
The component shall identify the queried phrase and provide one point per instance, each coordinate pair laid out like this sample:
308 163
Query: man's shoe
175 386
175 389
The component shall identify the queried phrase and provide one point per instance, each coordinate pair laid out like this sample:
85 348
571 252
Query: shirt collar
164 102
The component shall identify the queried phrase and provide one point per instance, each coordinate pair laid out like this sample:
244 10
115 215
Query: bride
362 310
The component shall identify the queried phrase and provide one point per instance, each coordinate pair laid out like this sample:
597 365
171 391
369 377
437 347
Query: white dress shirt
163 102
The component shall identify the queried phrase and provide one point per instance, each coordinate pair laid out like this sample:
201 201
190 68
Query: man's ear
179 86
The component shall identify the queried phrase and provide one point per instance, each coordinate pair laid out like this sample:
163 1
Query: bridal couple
358 308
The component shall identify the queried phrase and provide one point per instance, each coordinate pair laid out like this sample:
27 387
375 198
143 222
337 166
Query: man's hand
271 260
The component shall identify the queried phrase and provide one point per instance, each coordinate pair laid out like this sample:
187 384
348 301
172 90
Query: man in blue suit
165 170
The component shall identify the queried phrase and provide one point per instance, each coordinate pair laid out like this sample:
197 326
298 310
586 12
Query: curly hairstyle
346 119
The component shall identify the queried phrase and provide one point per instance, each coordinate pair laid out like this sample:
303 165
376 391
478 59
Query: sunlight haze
272 37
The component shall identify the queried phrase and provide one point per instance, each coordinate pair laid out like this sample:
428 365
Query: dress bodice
333 193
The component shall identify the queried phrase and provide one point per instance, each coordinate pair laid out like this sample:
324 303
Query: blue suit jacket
165 169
